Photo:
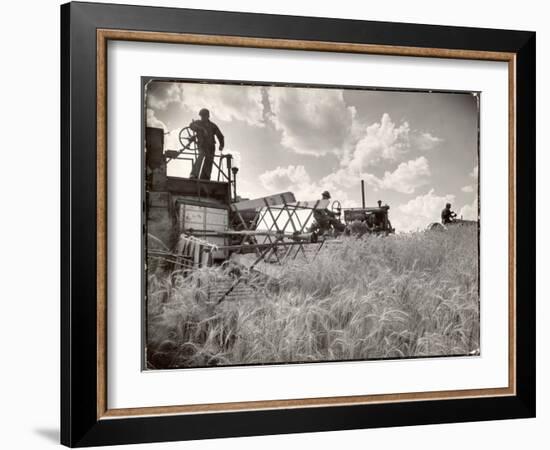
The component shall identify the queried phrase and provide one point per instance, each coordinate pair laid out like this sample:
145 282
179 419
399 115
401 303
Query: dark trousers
326 222
206 160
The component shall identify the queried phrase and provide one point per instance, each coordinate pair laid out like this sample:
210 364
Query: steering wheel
188 139
336 207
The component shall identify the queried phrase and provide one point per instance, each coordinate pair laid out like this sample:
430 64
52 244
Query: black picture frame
80 424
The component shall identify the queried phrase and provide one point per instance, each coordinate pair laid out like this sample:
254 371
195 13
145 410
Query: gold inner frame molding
105 35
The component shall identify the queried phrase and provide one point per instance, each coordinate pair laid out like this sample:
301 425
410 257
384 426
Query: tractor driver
326 218
206 131
447 215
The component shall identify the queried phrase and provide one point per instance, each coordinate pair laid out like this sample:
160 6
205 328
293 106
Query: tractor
369 220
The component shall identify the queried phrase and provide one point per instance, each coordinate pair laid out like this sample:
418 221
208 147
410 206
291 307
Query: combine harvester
455 222
192 223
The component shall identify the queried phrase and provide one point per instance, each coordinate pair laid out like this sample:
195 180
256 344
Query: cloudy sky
415 150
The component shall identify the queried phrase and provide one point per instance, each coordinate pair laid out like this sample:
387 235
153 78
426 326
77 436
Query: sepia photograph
286 224
292 223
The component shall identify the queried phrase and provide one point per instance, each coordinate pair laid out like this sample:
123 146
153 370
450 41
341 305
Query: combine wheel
188 139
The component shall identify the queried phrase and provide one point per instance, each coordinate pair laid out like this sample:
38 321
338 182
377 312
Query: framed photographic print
276 224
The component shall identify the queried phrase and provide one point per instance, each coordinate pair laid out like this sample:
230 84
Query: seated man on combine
326 219
447 215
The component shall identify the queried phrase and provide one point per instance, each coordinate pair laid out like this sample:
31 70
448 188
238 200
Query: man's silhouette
206 131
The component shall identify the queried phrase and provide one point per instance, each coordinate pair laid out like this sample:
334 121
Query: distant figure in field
447 215
326 218
206 131
379 217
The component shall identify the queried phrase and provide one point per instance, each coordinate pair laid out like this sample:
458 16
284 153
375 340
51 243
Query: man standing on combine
206 131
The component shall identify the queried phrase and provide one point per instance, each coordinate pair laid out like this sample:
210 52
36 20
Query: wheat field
400 296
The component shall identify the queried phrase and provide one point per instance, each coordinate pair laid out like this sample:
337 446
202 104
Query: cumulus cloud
425 141
225 102
283 178
405 179
297 180
343 177
160 94
422 210
382 140
171 139
470 187
312 121
470 211
318 122
386 141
